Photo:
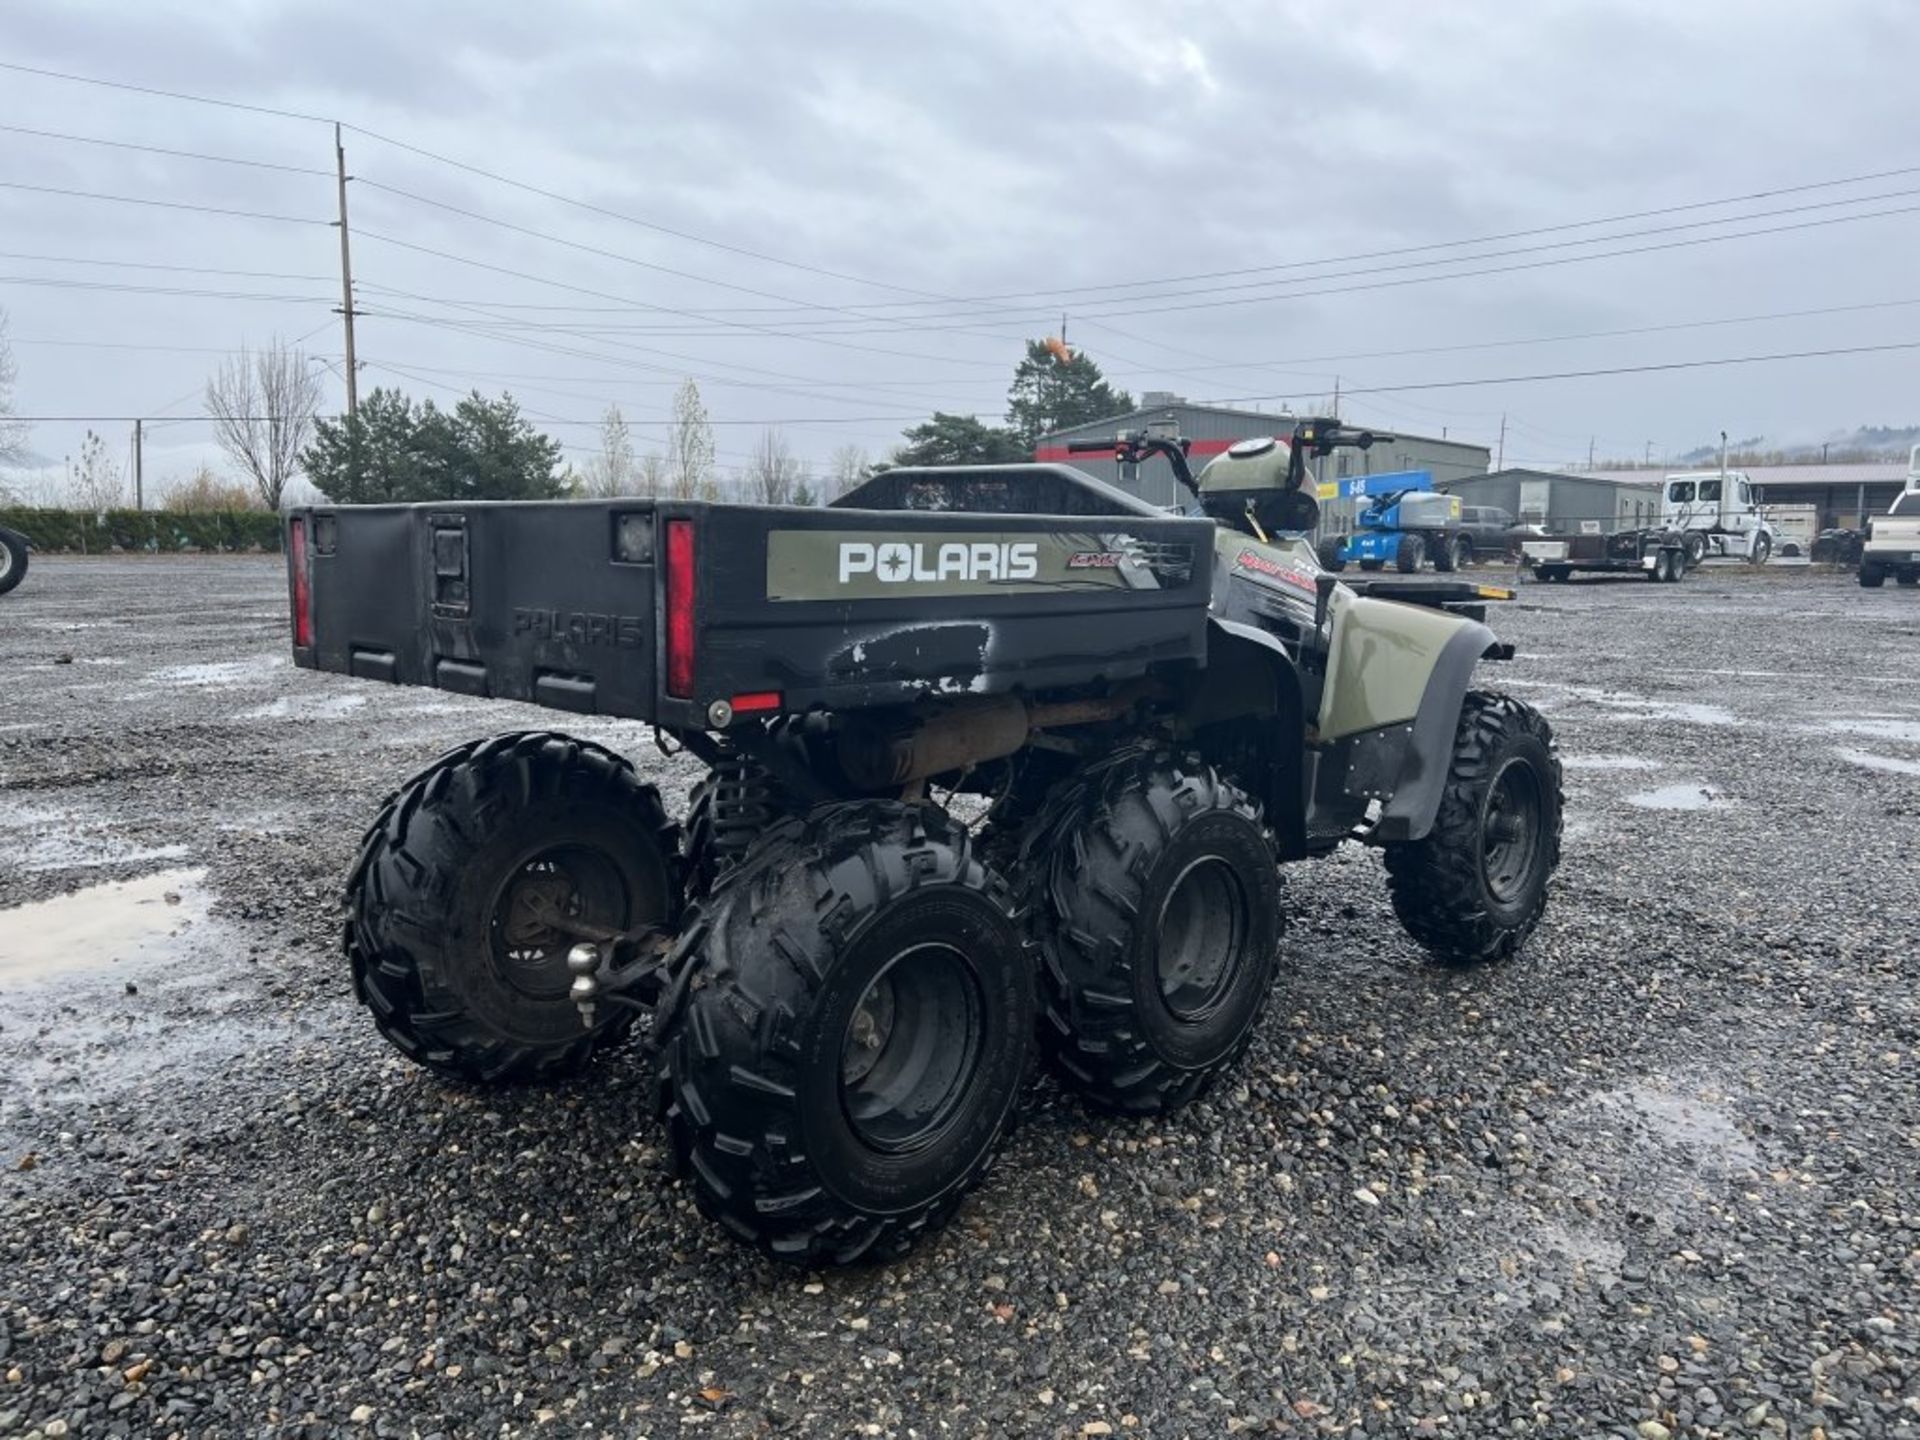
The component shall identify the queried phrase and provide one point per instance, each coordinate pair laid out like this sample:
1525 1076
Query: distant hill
1863 442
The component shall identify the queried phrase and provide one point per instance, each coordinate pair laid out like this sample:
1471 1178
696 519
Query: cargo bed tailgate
548 603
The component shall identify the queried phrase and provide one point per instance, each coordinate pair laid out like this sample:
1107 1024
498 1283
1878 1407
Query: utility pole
346 270
1501 462
1649 454
1590 440
1336 397
139 489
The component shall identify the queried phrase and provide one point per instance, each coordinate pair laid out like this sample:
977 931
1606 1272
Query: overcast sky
1171 175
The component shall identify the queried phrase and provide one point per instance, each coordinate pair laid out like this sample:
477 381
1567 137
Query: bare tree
847 467
773 471
612 471
652 474
13 433
97 482
689 462
262 406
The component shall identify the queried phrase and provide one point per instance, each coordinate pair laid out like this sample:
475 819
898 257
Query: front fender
1408 813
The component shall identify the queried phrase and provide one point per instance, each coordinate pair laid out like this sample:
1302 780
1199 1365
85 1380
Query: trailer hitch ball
583 963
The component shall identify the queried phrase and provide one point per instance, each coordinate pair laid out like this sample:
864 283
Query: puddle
1698 1127
39 839
1688 795
97 926
1877 727
306 707
1607 762
219 672
1591 1252
1637 707
1886 764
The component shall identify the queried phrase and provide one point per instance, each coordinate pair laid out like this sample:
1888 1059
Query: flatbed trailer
1658 554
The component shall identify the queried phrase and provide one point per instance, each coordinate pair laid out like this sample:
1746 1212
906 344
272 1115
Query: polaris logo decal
620 632
1096 560
898 562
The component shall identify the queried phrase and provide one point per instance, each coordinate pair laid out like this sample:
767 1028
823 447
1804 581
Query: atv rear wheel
1475 886
459 906
13 559
846 1067
1411 551
1158 902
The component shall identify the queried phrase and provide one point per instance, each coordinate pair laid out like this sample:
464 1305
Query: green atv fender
1397 676
1382 726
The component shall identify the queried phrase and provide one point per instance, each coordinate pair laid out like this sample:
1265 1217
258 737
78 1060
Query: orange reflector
1493 592
756 702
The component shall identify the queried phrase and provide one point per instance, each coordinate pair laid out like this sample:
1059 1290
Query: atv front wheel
861 1024
459 907
1474 887
1159 906
13 559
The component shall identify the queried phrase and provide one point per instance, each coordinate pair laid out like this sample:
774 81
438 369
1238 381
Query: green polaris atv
996 761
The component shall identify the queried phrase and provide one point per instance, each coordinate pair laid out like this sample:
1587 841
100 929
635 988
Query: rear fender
1250 689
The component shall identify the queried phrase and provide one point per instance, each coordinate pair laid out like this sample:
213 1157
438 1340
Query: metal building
1566 503
1563 502
1212 428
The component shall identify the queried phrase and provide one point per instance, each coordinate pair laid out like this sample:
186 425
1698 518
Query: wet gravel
1658 1176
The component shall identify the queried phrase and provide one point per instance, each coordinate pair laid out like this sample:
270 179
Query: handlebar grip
1089 447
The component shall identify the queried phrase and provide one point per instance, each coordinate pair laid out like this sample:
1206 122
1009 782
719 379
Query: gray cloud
965 150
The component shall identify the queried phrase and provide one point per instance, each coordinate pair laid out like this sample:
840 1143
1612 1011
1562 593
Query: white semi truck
1718 513
1893 539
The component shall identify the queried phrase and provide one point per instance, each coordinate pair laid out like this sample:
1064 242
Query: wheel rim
912 1048
1203 925
6 560
571 882
1515 810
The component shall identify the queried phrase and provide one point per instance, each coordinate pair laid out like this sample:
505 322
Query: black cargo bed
564 604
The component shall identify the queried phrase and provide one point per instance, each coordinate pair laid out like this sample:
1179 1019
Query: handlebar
1089 447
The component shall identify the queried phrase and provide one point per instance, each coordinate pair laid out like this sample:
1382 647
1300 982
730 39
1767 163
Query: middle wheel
1161 910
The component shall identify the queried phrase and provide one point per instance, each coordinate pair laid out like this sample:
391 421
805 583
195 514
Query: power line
162 94
1622 218
148 265
125 287
161 150
1605 371
162 204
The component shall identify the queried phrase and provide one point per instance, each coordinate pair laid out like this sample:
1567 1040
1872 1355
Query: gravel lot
1660 1175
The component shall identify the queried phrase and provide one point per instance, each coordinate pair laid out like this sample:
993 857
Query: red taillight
756 702
302 583
680 609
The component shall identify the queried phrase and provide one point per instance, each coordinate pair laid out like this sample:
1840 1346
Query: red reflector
756 701
302 583
680 609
